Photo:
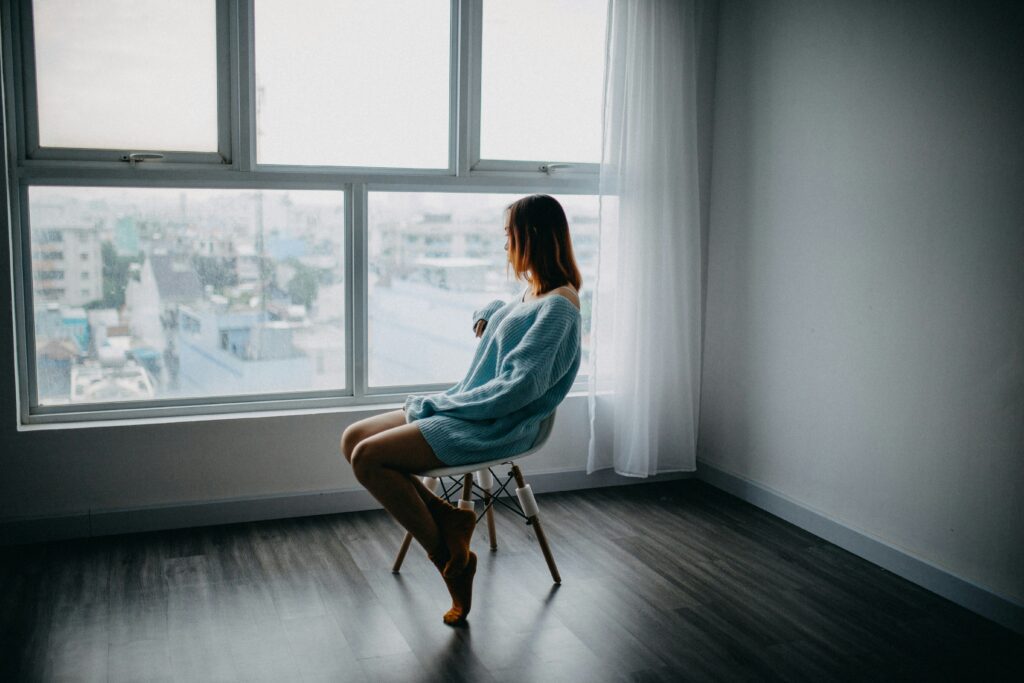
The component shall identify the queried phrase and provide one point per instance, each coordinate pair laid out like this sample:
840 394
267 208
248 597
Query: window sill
362 410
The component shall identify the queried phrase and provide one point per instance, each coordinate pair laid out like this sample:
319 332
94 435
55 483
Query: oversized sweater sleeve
526 372
487 311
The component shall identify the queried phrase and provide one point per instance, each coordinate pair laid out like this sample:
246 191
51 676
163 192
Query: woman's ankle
440 556
441 510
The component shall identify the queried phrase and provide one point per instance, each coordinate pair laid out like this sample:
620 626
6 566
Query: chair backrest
544 432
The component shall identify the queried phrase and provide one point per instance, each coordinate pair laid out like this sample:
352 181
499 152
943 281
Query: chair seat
542 436
465 469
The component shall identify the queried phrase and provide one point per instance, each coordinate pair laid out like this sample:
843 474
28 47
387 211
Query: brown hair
539 246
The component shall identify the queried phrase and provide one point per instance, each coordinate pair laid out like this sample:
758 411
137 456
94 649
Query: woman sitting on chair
524 365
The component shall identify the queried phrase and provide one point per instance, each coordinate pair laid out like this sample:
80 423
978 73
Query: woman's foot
460 587
456 527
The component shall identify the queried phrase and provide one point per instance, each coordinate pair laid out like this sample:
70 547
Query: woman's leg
384 463
371 426
363 429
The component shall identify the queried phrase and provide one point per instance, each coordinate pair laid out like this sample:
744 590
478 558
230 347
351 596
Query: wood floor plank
673 581
320 649
82 659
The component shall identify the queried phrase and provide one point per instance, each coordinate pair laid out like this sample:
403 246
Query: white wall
71 471
864 349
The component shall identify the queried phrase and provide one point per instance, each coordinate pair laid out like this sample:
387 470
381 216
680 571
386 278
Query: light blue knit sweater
523 367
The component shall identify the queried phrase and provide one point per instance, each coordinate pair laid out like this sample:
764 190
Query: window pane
434 258
127 74
350 83
540 93
162 293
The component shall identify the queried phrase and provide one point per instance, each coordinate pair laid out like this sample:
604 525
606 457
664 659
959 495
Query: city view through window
434 258
153 293
144 294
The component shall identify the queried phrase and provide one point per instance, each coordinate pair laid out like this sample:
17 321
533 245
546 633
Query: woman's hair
539 246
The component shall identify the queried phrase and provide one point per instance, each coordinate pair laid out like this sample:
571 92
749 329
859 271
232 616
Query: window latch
135 157
549 168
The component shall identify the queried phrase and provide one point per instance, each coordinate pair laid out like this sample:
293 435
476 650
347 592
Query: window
540 92
385 105
115 74
206 293
278 204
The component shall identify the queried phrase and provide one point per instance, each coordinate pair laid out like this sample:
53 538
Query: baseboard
89 523
998 608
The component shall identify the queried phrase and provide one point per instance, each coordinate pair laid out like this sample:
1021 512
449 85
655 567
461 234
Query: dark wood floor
662 582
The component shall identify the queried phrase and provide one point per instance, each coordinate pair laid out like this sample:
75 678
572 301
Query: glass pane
434 258
540 93
127 74
164 293
351 83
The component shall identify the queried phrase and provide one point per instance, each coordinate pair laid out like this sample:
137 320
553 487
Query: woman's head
539 246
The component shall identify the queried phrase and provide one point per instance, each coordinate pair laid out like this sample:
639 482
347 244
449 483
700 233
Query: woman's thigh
365 428
401 448
378 423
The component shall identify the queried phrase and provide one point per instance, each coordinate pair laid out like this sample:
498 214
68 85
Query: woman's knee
362 459
350 438
364 429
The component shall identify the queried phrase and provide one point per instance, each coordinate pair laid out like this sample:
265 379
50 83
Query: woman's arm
543 355
483 315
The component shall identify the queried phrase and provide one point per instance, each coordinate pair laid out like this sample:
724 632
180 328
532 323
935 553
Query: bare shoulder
567 292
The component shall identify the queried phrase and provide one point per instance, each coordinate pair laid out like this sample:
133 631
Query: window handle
135 157
548 168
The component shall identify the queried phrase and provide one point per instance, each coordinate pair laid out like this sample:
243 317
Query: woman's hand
479 327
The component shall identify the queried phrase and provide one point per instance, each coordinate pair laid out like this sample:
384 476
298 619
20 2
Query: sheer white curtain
646 325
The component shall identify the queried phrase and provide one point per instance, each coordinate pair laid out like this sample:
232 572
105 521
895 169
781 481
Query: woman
524 365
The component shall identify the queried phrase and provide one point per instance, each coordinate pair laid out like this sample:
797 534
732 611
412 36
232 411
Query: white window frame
472 38
31 151
235 167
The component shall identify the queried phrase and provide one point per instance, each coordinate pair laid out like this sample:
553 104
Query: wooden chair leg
485 480
401 553
534 521
488 501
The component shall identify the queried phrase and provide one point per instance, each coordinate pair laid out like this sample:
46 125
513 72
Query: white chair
477 482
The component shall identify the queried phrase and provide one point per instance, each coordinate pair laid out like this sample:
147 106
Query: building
126 237
455 272
400 246
222 349
163 282
67 263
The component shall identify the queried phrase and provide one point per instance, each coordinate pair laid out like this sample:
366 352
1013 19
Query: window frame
236 167
29 102
477 164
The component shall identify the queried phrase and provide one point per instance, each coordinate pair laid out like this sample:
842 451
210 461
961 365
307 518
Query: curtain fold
644 381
